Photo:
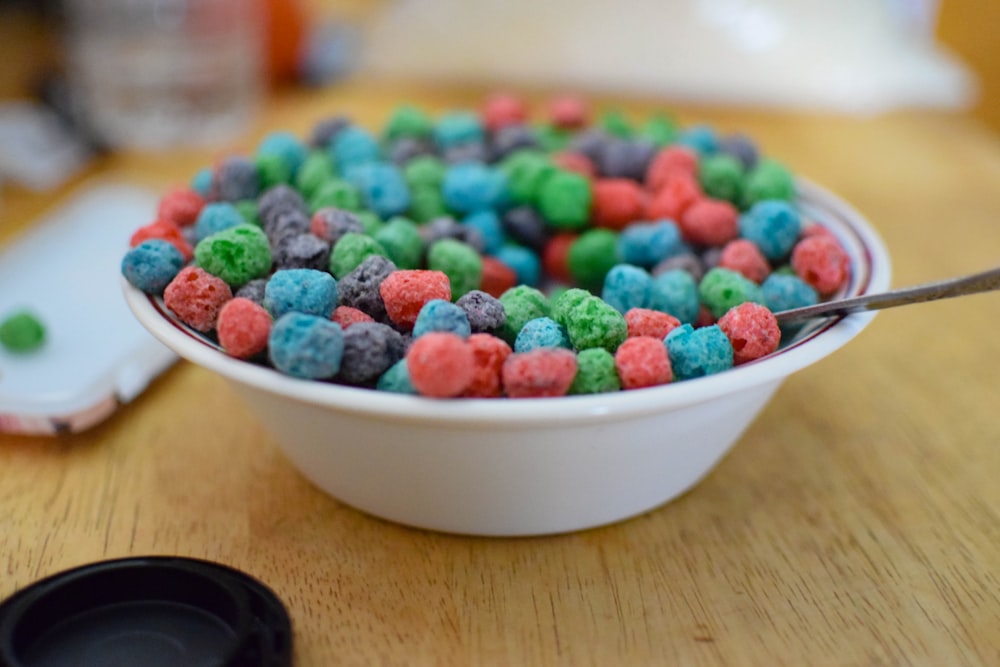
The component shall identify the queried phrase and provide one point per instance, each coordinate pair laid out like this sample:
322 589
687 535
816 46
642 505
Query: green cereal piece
660 128
247 208
424 171
564 200
426 204
616 124
591 256
21 332
594 323
526 170
566 301
370 221
721 289
521 304
408 121
595 372
721 177
314 172
552 138
785 270
459 261
352 249
237 255
272 170
402 241
768 180
337 193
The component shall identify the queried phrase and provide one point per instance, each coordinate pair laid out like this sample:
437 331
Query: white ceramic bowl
526 466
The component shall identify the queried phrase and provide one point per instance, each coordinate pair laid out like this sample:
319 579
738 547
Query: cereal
21 332
521 304
469 187
541 332
503 110
773 226
440 364
441 315
768 180
525 263
345 316
405 293
721 177
353 146
821 262
408 122
253 290
627 287
448 228
235 179
722 289
272 170
752 330
383 189
525 171
164 231
484 312
488 356
196 297
543 372
616 202
286 147
243 327
362 287
670 163
237 255
525 225
742 148
487 225
701 138
745 257
151 265
648 243
459 262
370 349
595 372
497 277
456 128
351 250
642 361
709 222
397 379
564 200
314 172
591 256
593 323
301 251
675 292
302 291
625 159
402 242
698 352
326 130
647 322
278 199
685 261
568 112
784 292
576 162
180 207
659 129
337 193
306 346
555 256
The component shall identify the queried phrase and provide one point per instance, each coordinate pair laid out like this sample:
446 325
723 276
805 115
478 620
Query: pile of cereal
480 254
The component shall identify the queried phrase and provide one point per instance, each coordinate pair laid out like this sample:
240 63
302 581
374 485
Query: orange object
285 30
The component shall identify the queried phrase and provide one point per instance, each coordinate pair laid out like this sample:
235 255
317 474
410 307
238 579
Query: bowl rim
826 336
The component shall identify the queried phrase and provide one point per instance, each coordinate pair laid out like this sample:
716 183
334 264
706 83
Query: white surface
525 466
65 269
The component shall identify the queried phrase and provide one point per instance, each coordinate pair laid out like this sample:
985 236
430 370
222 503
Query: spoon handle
985 281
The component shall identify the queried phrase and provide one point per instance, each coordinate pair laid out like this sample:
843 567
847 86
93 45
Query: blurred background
84 76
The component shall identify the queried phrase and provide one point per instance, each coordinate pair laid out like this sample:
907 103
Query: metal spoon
944 289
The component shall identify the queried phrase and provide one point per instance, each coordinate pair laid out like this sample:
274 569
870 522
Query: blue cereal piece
151 265
488 225
627 287
773 225
701 138
457 128
469 187
201 182
353 146
441 315
286 146
646 244
675 292
215 218
787 291
525 263
541 332
397 380
382 186
697 352
306 346
300 290
370 349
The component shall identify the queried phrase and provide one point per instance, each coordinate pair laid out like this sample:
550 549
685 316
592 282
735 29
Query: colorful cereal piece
237 255
647 243
675 292
497 277
235 178
521 304
722 289
670 201
196 297
22 332
243 328
302 291
370 349
151 265
351 250
502 110
595 372
617 202
721 177
526 265
484 311
642 362
593 323
402 242
626 287
784 292
345 316
404 293
555 256
709 222
745 257
525 225
457 260
647 322
698 352
306 346
822 262
543 372
773 226
564 199
361 288
752 330
396 379
768 180
441 315
541 332
568 112
488 356
180 206
440 364
592 254
669 163
165 231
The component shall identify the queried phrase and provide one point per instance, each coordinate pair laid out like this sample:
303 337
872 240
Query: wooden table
856 523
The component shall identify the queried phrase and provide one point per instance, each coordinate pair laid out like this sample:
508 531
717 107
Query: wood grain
856 523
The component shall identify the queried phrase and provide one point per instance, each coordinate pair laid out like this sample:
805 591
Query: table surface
857 522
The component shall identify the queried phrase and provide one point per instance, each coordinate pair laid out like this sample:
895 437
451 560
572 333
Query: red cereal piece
669 163
180 207
643 362
405 293
503 109
243 327
822 262
167 231
705 318
441 364
752 329
345 316
555 255
670 201
540 373
617 202
488 353
497 277
815 229
710 222
646 322
745 257
196 297
569 112
576 162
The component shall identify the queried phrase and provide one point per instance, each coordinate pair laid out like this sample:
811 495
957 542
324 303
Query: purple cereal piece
485 312
590 143
622 158
687 261
710 257
473 151
302 251
327 130
370 348
360 288
405 149
278 199
511 138
332 223
448 228
286 223
253 290
235 180
526 225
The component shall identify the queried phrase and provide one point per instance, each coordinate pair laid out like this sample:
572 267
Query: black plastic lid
152 611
